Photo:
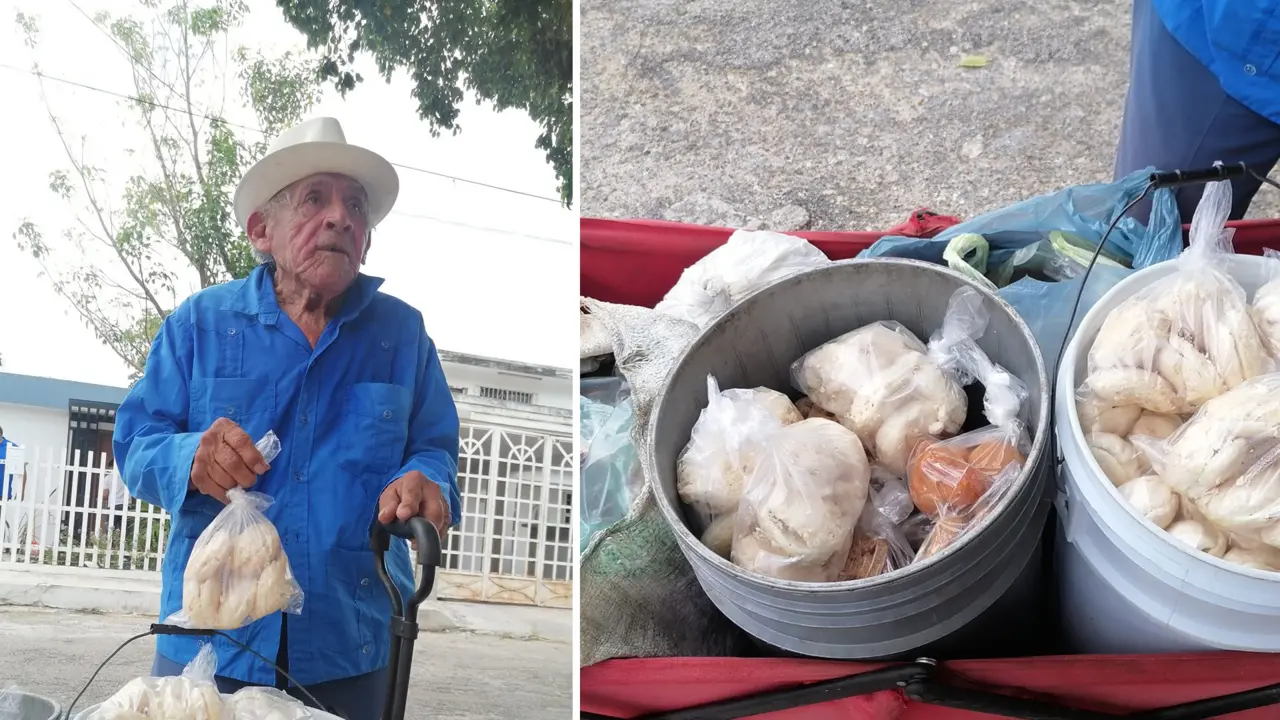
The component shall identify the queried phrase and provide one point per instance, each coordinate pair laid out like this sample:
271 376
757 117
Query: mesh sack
638 595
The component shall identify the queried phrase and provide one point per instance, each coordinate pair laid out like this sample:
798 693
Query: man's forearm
157 468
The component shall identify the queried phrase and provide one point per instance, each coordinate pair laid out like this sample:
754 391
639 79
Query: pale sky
508 291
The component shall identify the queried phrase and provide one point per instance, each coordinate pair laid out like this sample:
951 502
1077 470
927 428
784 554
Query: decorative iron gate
514 545
515 542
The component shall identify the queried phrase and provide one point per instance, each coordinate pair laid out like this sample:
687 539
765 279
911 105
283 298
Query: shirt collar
257 296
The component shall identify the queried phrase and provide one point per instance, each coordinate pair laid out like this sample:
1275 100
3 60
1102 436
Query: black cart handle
404 614
418 529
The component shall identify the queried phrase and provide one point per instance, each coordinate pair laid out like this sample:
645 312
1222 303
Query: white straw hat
313 147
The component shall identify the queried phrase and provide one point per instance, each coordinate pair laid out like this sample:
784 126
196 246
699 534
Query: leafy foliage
513 53
138 245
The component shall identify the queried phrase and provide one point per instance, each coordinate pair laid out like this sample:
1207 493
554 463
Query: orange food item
992 456
941 478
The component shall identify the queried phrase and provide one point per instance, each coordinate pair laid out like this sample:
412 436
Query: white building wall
548 392
33 426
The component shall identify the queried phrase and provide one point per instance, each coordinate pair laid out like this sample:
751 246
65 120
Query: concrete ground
457 676
857 111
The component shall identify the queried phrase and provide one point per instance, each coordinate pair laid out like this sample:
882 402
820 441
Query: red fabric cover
1108 683
635 262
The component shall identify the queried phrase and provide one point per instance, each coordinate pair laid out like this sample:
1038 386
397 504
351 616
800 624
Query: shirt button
297 477
364 582
231 409
1250 70
304 419
365 649
232 331
386 345
386 414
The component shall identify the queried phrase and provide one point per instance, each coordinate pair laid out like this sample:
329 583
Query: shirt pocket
376 424
248 402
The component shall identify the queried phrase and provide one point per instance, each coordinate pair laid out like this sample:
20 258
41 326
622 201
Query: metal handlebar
404 614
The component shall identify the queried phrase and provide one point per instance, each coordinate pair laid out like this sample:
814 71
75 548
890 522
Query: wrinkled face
318 233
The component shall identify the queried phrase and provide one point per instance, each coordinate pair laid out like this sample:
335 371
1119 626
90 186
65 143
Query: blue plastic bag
1084 211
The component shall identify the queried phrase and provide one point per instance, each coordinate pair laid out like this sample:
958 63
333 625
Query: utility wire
481 228
151 103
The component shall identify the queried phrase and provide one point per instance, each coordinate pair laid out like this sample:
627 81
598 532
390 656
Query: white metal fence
514 544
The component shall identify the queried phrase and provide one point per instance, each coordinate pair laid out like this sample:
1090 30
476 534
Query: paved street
457 676
858 112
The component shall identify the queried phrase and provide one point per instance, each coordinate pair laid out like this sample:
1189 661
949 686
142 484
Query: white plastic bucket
1127 586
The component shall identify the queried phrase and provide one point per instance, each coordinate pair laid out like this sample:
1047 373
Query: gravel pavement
457 676
856 111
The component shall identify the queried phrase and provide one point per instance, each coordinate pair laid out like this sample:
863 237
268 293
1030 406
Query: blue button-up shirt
12 477
1238 40
366 405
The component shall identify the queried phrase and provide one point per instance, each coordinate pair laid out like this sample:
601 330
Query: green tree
513 53
138 244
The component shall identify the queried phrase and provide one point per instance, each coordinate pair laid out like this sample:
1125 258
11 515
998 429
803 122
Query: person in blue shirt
1204 86
13 477
347 378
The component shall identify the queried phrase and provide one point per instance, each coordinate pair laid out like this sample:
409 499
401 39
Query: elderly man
350 382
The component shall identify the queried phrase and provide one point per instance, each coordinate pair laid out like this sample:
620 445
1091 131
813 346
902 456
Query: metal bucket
979 597
28 706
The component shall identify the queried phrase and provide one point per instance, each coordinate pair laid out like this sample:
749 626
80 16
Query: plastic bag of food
263 703
879 544
1226 460
723 448
189 696
1266 306
951 524
1153 499
1186 338
238 571
947 477
749 261
800 505
1248 552
891 389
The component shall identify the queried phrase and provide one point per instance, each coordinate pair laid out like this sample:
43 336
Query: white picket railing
514 543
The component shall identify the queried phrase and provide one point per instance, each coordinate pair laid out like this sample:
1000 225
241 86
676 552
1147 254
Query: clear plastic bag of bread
801 503
1266 305
948 477
879 544
891 389
238 571
264 703
952 524
1186 338
1226 460
189 696
722 451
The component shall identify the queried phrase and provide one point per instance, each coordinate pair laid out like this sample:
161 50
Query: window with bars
514 396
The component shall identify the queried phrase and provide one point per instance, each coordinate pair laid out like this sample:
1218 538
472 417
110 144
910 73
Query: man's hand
414 495
226 458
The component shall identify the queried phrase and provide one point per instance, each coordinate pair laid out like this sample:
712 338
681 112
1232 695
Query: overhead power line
162 106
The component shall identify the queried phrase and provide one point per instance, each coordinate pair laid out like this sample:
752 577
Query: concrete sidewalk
122 592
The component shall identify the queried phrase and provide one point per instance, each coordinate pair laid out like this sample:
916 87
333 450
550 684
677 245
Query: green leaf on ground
974 61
